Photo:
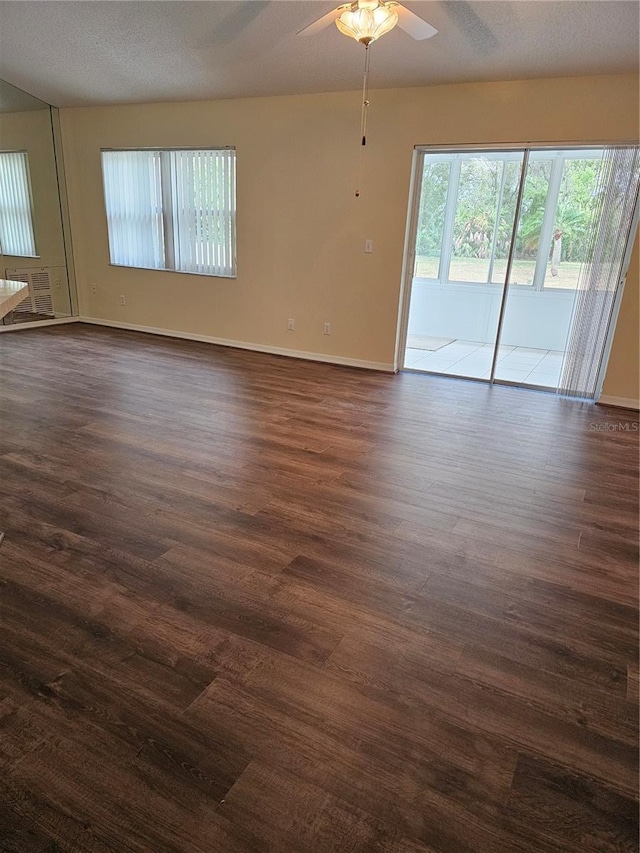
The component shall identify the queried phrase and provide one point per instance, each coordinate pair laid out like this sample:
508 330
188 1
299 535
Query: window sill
231 276
30 257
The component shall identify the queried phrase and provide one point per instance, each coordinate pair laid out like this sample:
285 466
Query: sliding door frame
507 273
411 234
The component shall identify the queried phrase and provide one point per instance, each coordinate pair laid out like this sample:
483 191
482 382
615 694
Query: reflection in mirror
32 244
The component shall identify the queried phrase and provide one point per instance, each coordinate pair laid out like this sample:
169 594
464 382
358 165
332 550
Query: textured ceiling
76 53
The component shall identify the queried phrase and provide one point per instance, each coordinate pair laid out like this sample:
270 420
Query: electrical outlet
123 301
327 328
94 287
368 246
291 324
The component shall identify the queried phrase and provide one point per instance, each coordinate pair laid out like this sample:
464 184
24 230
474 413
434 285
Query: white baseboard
209 339
621 402
38 324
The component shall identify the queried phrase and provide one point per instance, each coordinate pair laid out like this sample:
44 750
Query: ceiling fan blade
414 25
320 24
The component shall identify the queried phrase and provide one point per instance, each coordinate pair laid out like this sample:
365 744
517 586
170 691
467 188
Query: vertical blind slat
133 200
599 279
16 225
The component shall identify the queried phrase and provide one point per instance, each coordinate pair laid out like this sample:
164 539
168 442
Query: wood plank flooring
255 604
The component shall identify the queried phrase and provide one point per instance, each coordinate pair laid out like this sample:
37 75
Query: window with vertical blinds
16 224
172 209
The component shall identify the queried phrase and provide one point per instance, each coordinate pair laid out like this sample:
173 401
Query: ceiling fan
367 20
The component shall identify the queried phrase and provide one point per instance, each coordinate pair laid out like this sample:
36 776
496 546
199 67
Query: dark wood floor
255 604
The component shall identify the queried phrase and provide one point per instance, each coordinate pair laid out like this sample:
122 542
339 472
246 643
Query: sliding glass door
503 244
552 244
463 237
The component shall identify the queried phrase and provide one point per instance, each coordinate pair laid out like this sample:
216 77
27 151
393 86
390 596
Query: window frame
559 155
167 191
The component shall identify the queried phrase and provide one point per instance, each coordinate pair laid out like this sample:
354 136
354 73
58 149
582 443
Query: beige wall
301 231
622 379
30 131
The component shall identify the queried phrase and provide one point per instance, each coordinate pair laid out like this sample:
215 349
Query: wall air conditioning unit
38 304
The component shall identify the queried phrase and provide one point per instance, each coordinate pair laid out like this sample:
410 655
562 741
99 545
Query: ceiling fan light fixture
367 20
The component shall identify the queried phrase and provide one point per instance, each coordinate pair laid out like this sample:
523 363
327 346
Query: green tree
433 201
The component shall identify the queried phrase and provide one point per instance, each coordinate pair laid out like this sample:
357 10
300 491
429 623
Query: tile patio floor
473 359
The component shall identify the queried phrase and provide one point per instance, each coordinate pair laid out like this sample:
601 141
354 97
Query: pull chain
363 118
365 96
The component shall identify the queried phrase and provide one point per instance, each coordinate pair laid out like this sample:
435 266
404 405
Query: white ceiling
94 52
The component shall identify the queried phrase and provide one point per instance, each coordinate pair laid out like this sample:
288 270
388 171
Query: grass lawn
475 270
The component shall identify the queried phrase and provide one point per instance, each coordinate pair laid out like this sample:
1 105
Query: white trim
449 221
38 324
408 260
621 402
224 342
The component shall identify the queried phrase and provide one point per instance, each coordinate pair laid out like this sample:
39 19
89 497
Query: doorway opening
513 257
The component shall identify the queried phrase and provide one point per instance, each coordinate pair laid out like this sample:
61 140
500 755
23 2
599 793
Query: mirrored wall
33 248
